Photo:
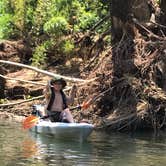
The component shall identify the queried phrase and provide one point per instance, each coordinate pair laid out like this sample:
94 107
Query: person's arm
70 98
47 91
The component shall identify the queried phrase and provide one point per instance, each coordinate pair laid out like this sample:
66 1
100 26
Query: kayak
78 131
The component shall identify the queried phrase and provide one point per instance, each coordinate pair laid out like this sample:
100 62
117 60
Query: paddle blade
29 122
86 105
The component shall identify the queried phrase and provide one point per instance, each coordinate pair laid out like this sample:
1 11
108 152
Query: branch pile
133 74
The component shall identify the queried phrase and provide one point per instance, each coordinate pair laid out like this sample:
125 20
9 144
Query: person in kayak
57 101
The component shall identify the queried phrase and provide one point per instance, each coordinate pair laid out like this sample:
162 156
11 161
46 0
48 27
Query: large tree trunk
122 13
163 11
133 57
123 32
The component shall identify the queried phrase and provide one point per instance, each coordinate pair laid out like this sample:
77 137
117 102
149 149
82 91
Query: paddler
57 101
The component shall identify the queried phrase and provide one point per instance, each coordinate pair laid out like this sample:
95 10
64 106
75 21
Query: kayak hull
78 131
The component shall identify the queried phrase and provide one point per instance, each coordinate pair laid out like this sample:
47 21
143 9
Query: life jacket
52 98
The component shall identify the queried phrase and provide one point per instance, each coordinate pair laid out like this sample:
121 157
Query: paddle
31 121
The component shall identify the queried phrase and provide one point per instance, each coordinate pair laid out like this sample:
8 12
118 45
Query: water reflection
57 152
20 147
29 148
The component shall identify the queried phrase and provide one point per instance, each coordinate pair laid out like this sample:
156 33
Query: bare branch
46 72
20 102
31 82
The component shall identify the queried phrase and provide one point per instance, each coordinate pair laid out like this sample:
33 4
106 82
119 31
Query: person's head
58 83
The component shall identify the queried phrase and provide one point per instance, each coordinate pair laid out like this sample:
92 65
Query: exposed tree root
137 83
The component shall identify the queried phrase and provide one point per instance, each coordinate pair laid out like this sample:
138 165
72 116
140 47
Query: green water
19 147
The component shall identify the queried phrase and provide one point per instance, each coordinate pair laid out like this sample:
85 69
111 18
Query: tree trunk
163 12
135 53
124 31
2 84
122 13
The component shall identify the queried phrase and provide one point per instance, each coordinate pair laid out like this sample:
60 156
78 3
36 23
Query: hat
61 80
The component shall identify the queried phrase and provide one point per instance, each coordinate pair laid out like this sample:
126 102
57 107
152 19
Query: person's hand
74 88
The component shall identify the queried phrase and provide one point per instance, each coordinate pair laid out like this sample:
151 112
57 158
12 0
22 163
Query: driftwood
46 72
150 33
81 81
31 82
37 83
118 120
20 102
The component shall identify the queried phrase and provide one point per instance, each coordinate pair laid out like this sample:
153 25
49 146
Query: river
21 148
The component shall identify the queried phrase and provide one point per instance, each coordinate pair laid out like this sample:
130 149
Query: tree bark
122 13
2 88
163 12
124 31
134 61
2 84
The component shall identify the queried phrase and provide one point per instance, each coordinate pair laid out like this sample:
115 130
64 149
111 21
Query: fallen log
20 102
71 79
31 82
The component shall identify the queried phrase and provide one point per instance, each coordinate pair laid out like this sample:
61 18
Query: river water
21 148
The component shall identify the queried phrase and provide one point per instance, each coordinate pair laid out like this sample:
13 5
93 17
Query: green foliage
67 47
52 17
28 97
20 12
40 54
48 23
41 15
3 101
5 20
56 26
5 26
87 20
17 17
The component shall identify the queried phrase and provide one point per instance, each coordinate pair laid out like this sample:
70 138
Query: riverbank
134 100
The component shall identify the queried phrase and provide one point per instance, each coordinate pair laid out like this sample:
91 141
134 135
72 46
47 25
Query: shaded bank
133 69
